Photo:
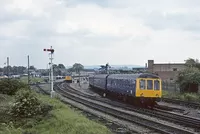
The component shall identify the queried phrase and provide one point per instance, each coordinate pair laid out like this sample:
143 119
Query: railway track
180 102
121 113
114 126
162 114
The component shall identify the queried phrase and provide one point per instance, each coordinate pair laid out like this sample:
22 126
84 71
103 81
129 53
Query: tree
105 68
1 69
102 69
190 62
59 69
77 67
16 70
55 66
55 69
61 66
32 68
189 78
70 70
7 70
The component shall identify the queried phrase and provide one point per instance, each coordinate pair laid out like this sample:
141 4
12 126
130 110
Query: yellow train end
149 88
68 79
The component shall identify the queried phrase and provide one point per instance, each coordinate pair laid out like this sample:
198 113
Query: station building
167 71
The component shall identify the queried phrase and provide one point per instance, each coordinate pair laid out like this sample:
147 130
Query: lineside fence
172 87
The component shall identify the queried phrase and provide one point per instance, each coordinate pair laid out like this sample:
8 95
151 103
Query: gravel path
84 88
188 111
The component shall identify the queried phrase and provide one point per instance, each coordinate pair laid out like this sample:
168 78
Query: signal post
51 50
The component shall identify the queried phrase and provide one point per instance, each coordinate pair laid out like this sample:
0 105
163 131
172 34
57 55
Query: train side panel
99 81
91 80
122 84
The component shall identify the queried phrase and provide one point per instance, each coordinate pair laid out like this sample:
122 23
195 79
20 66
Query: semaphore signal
51 62
49 50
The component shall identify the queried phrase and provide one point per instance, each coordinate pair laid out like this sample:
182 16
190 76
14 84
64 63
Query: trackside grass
32 79
194 97
60 120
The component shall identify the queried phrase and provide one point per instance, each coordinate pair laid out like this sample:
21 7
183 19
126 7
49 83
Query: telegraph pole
107 68
28 71
8 67
51 62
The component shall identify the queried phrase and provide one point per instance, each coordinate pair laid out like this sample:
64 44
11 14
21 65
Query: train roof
127 76
100 75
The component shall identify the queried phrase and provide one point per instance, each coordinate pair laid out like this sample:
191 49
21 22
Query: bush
10 86
9 129
191 97
28 105
188 79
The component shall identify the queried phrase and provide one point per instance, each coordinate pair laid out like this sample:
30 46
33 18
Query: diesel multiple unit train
143 89
68 79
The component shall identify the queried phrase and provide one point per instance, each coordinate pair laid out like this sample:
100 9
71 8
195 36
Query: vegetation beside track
32 79
25 111
191 97
188 80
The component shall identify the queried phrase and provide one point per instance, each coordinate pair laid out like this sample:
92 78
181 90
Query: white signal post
51 66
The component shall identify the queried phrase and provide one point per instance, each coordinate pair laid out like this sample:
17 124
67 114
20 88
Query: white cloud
93 32
100 21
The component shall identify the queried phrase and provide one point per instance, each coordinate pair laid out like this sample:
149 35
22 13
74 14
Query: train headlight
141 94
157 95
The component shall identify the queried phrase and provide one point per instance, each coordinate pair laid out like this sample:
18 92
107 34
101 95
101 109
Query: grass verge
24 79
61 120
193 97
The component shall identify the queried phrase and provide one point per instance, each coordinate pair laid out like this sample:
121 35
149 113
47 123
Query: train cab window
142 84
156 85
149 84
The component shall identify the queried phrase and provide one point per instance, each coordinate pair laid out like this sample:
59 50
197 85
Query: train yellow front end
68 79
149 90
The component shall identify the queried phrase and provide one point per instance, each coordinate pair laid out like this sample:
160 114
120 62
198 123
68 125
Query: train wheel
124 98
143 103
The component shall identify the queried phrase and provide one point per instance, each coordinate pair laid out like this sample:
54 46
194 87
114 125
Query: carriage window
130 83
124 83
127 83
133 82
156 85
149 84
142 84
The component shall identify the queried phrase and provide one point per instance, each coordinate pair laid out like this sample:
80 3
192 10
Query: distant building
167 71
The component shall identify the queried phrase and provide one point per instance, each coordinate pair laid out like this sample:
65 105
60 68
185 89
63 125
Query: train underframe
145 102
68 81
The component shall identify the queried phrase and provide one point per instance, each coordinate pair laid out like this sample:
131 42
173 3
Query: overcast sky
99 31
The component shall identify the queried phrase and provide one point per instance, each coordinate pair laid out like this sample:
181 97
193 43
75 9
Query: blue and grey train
144 89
